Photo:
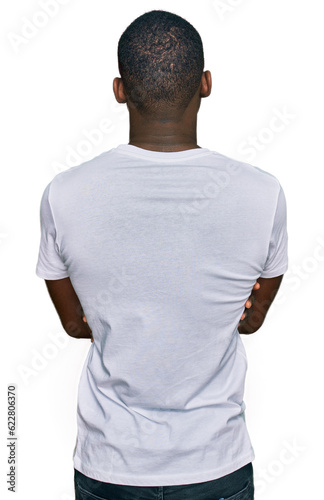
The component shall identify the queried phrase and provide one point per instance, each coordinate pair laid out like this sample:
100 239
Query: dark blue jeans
235 486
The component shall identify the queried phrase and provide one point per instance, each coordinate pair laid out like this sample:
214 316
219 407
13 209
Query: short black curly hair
161 61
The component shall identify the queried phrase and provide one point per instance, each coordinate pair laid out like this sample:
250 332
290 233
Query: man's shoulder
83 170
246 172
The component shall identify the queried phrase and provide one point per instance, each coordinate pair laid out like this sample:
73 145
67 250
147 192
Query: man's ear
206 84
119 90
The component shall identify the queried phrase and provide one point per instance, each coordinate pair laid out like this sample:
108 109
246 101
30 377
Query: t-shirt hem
162 479
47 276
276 272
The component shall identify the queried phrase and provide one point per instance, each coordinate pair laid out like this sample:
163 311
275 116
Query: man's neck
165 134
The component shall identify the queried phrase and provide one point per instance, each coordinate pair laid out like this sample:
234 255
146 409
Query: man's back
162 250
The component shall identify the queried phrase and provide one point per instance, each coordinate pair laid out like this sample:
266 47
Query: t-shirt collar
162 155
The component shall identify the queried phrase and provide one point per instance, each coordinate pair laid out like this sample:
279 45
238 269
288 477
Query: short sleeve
277 260
49 265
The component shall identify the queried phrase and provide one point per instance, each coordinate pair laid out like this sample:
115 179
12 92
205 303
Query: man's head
161 62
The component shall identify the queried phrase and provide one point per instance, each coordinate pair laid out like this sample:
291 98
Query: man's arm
260 301
69 308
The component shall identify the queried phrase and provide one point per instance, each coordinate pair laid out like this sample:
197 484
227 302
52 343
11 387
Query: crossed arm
258 304
69 308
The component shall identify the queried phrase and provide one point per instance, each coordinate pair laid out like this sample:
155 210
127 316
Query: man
152 250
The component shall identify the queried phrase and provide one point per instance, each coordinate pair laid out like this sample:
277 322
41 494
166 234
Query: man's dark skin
169 130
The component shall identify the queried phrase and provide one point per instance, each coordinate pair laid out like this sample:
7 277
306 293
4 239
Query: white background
265 57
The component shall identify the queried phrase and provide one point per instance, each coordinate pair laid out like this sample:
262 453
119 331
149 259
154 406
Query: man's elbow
76 330
251 325
248 330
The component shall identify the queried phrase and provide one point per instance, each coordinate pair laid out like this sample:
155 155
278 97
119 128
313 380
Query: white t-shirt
162 250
